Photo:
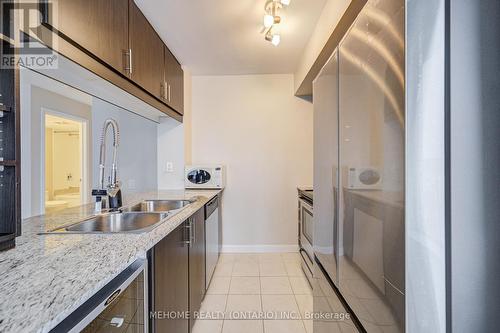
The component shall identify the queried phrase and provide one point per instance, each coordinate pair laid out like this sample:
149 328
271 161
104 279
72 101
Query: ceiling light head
285 2
275 39
268 20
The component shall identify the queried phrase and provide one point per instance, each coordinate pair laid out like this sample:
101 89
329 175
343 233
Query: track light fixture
272 18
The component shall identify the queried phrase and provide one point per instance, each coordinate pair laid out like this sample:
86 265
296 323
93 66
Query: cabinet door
174 83
147 53
197 263
171 276
100 27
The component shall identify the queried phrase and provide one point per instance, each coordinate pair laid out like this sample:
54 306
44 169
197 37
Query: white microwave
367 178
205 176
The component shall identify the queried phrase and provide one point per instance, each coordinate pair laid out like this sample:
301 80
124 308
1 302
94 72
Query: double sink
140 217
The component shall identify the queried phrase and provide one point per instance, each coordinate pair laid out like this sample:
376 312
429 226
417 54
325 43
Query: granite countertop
46 277
304 188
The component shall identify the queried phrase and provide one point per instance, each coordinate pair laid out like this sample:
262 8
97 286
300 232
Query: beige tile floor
249 286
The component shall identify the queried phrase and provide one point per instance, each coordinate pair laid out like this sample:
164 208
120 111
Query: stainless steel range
305 215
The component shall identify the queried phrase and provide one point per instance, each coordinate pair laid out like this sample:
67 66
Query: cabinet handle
188 231
169 92
128 61
4 108
193 231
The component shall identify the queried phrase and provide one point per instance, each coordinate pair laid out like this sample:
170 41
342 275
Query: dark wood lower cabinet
177 277
197 263
170 276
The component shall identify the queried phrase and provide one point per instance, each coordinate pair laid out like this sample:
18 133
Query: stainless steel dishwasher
211 238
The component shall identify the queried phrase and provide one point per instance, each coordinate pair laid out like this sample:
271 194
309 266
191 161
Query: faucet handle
99 192
114 188
100 197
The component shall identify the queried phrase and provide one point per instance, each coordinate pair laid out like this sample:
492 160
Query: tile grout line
261 302
297 304
260 288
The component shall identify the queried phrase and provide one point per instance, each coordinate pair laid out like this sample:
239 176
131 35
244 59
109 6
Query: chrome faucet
111 191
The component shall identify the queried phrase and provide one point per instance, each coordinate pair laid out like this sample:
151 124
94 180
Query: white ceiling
218 37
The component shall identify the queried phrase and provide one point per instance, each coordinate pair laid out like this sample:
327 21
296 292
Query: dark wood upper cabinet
117 34
146 52
100 27
174 83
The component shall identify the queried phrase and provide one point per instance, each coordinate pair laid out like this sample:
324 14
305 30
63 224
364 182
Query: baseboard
259 248
324 249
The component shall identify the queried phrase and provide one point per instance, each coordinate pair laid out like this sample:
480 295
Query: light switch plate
169 167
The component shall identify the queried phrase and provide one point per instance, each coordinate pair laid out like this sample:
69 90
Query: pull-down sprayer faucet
112 190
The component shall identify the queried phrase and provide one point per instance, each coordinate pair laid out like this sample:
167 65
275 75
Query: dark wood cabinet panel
171 277
174 83
100 27
116 34
147 52
197 263
10 167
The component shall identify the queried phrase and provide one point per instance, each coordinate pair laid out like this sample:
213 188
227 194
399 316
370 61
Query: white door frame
85 145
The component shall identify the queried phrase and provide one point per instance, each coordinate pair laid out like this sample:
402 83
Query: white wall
35 100
330 16
174 143
137 155
263 134
171 150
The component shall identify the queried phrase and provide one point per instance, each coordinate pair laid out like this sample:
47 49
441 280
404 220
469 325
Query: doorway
64 162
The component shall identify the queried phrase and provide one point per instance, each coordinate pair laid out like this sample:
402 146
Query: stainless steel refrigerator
359 168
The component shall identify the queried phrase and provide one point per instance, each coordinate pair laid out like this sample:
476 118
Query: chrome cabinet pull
5 108
193 230
169 92
130 60
187 233
127 67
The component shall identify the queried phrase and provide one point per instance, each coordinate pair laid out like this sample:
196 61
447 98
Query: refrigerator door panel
372 170
326 161
329 313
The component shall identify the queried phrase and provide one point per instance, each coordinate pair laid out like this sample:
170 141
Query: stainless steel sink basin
159 205
137 218
114 223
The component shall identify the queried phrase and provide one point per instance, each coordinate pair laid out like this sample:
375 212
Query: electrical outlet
169 167
131 184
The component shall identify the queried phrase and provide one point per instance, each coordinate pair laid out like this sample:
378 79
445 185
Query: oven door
306 228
